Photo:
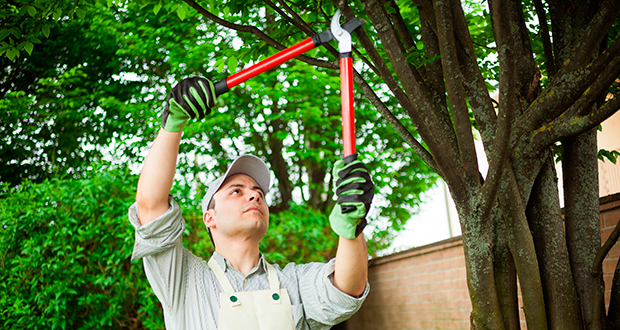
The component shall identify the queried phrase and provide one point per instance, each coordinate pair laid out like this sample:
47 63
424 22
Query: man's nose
254 196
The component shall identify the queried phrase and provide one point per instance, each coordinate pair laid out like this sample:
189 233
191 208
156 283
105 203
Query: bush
65 247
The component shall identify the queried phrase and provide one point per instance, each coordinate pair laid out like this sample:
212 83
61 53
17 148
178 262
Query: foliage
26 23
612 155
65 102
65 247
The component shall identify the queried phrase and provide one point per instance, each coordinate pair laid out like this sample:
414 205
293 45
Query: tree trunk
613 315
582 218
545 219
477 242
523 251
505 273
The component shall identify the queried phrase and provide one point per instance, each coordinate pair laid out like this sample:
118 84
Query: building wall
610 215
426 287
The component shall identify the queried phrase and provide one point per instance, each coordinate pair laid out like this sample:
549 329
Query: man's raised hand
355 191
190 98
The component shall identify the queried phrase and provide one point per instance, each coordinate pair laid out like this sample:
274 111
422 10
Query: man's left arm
355 191
351 269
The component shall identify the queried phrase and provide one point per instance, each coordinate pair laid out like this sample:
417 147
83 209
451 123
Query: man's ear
208 219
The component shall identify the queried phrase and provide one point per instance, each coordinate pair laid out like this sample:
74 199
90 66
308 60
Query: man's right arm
156 178
190 98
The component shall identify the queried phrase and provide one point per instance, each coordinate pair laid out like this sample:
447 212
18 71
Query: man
237 288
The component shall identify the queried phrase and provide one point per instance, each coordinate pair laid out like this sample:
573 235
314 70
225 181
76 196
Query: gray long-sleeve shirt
190 293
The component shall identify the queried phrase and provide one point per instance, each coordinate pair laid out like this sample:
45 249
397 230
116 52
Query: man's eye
234 192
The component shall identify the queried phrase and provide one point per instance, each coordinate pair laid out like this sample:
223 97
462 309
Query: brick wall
610 214
426 287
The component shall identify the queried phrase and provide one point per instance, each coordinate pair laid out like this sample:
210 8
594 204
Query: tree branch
454 87
546 40
425 7
297 21
398 126
597 265
564 91
476 90
434 71
567 126
401 27
434 80
585 48
444 149
507 102
260 34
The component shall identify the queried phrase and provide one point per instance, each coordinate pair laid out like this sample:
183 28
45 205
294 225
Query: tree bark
505 273
477 242
523 251
545 219
613 315
582 218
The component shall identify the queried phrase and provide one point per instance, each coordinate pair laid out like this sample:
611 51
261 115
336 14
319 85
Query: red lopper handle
225 84
348 112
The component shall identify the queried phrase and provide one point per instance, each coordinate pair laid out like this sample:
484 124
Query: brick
615 251
611 217
605 233
607 206
608 279
609 266
607 297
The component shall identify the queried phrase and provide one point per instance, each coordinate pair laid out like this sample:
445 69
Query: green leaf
157 8
12 53
57 14
389 9
29 47
31 10
232 64
46 31
4 34
81 13
181 12
612 155
17 33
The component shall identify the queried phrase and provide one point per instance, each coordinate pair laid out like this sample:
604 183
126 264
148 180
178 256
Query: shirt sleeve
159 244
324 304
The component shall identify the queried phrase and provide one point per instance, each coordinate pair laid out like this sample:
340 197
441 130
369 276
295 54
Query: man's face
240 209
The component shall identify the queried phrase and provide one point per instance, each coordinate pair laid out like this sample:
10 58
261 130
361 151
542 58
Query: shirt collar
225 264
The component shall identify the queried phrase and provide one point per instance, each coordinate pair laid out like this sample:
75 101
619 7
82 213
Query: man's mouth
253 208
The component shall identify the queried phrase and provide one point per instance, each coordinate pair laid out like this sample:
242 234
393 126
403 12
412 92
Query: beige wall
426 287
609 139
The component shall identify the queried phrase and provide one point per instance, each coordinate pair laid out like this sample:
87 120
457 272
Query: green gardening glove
190 98
355 190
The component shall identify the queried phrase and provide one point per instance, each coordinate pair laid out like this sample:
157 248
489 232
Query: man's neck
242 256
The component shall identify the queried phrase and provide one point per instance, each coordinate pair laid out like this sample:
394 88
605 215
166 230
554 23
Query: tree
433 58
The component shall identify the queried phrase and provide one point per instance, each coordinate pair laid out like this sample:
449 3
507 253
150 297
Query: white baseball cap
249 165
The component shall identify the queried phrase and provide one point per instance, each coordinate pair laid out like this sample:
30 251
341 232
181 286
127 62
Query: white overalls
253 310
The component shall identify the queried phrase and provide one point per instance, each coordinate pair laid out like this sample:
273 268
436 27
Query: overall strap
224 282
274 284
